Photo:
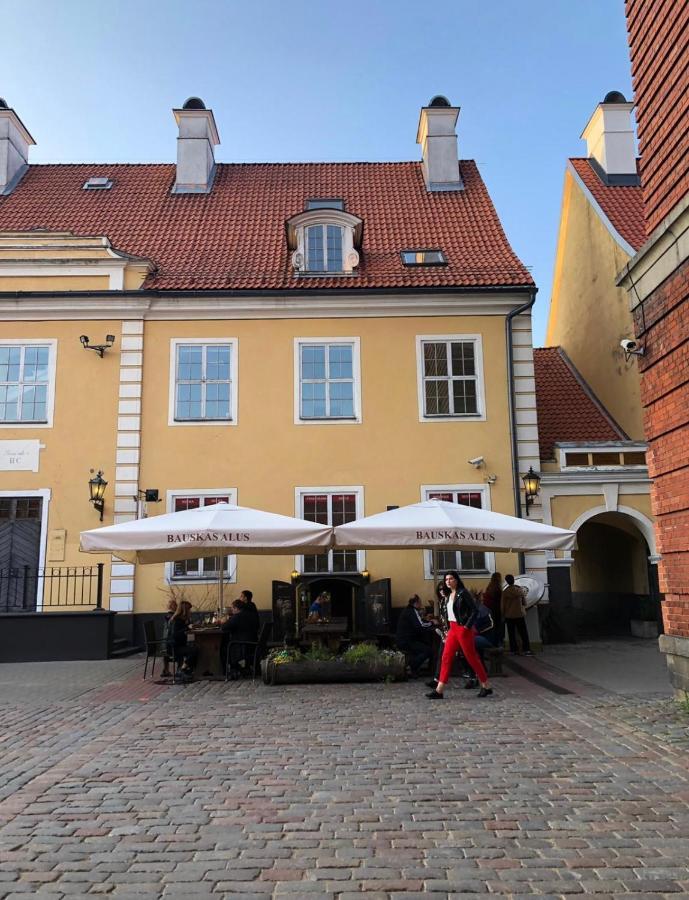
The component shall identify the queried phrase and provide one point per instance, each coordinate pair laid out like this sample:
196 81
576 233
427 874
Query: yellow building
594 474
322 340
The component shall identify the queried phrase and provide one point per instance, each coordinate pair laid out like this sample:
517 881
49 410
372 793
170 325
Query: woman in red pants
461 613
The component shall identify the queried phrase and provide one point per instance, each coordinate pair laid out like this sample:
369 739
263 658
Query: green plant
361 653
285 655
684 702
318 653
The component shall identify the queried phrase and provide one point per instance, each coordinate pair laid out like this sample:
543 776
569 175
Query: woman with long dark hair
461 614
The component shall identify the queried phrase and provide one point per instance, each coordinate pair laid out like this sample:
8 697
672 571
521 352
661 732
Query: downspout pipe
525 307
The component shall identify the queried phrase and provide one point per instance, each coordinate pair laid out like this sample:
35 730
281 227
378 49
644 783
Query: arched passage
610 577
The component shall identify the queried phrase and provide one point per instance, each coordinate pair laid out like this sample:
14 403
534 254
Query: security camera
477 461
631 347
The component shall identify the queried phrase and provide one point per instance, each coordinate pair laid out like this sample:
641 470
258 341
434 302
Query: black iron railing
27 588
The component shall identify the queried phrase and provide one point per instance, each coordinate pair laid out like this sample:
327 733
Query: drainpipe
512 406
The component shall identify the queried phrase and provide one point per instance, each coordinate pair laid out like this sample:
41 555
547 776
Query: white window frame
51 343
476 339
481 488
324 246
300 493
602 448
171 496
234 392
356 419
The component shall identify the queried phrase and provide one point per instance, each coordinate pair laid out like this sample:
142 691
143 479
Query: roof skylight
325 203
423 258
97 183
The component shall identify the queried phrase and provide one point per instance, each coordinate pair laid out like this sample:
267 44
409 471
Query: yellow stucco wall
266 456
589 316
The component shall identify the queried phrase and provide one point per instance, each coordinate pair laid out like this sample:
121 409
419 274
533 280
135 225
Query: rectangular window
203 381
325 203
207 568
576 459
330 509
324 248
635 458
605 459
423 258
24 383
450 378
327 374
465 561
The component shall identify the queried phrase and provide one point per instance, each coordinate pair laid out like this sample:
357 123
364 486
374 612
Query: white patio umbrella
217 530
437 524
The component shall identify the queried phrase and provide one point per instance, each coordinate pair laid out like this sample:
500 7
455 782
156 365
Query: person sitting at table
247 598
239 630
414 635
167 637
185 654
315 611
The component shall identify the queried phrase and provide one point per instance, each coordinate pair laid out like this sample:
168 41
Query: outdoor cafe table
207 639
318 632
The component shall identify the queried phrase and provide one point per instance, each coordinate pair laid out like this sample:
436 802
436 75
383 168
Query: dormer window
97 184
423 258
324 248
324 241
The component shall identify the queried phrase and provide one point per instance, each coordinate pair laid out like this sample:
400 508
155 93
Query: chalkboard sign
284 611
377 607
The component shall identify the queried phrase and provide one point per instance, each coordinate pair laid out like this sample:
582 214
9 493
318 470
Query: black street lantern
97 486
532 484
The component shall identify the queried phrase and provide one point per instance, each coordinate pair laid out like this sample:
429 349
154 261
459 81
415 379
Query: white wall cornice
108 305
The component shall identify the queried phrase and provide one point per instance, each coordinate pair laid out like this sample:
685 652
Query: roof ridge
589 392
356 162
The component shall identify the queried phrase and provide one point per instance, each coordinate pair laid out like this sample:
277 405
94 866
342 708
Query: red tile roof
622 204
234 237
568 410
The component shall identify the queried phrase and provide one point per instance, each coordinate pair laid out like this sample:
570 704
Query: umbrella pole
436 605
221 586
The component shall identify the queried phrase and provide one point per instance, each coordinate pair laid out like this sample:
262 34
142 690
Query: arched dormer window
324 241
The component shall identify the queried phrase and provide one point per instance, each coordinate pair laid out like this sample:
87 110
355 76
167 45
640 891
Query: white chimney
438 139
609 137
198 136
15 141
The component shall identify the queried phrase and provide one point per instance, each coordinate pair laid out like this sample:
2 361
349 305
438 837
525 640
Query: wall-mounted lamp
294 576
99 348
97 486
366 575
532 484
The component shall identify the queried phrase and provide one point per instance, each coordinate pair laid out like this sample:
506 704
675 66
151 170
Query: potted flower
361 662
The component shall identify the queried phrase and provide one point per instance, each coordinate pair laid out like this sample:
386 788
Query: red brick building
657 279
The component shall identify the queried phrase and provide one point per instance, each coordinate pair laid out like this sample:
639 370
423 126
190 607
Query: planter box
641 629
329 671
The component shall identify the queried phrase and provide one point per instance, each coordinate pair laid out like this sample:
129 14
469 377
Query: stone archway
610 579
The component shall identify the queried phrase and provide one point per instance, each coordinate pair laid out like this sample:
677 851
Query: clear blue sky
319 80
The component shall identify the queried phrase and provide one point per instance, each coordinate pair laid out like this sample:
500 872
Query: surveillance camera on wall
631 347
477 462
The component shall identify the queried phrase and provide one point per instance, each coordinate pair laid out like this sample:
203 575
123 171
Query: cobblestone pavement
109 785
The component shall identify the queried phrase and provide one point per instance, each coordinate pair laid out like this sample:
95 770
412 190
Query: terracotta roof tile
622 204
234 237
567 408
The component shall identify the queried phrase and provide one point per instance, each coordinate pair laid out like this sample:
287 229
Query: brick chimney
438 138
609 137
15 141
198 136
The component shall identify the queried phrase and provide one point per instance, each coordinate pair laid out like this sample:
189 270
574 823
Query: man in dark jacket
238 632
247 598
414 636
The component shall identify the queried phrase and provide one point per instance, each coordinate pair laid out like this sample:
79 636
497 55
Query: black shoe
434 695
471 683
433 683
485 692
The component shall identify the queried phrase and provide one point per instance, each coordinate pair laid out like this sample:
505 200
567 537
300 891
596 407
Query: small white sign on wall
19 456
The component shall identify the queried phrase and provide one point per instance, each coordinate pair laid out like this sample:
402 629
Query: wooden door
20 547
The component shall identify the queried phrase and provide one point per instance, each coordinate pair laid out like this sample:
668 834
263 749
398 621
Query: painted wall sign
19 456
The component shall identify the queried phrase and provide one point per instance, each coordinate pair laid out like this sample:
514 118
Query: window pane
635 459
315 508
334 248
313 361
472 561
470 499
315 258
422 257
463 358
435 359
325 203
576 459
344 561
605 459
23 400
464 396
447 496
437 399
344 509
340 361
